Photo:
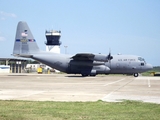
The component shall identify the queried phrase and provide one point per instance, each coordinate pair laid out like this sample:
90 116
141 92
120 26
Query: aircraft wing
92 57
84 56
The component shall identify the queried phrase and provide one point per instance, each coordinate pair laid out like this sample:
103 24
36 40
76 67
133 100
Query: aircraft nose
149 66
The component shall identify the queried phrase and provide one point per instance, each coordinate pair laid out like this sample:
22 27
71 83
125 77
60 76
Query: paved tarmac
63 87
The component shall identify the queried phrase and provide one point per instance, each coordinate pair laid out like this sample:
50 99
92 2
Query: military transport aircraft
82 63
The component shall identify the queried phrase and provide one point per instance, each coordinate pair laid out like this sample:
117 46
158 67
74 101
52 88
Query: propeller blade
109 55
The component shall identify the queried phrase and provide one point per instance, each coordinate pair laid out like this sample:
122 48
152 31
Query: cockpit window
141 59
142 64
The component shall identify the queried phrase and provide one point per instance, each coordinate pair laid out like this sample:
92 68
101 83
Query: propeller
109 57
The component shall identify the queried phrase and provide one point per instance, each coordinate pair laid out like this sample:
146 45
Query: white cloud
5 15
2 39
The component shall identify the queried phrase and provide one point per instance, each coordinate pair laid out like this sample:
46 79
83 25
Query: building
53 41
16 65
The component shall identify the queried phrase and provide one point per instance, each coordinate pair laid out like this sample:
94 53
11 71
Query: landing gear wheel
84 75
93 75
135 74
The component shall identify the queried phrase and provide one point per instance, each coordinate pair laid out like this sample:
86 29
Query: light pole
65 49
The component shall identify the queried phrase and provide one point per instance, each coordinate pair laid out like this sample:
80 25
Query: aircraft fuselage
120 64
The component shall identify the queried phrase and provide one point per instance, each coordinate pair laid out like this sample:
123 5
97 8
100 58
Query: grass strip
49 110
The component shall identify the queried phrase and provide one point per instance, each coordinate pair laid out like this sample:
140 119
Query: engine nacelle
99 57
101 69
86 63
104 58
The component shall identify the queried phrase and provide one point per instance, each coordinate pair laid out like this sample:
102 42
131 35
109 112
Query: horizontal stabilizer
26 56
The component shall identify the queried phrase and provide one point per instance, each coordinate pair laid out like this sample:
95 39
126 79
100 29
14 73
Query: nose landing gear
135 74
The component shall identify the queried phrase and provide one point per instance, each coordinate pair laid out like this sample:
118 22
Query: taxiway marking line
117 88
114 82
28 95
149 83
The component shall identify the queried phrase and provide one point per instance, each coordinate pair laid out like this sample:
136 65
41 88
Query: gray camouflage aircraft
82 63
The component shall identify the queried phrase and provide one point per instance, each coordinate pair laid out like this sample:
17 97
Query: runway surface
63 87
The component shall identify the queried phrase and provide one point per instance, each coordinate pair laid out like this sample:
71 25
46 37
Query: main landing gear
84 75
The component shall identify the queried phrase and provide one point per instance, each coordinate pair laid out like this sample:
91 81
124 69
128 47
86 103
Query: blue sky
95 26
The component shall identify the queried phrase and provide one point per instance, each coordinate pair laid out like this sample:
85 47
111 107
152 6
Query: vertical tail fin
24 41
